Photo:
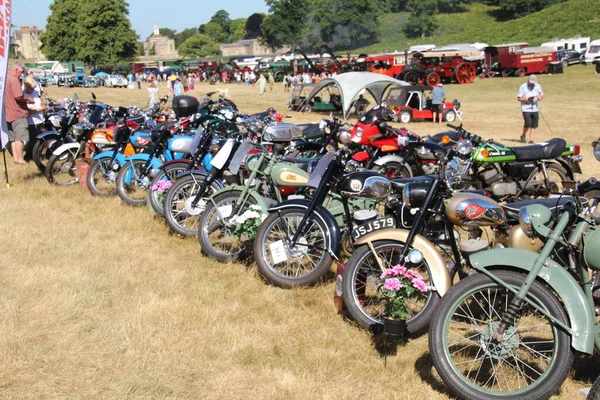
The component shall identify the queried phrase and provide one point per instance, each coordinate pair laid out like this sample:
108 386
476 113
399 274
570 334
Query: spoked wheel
465 73
42 151
520 72
433 79
102 178
394 169
180 214
61 169
556 176
216 239
530 360
133 183
411 77
360 284
169 173
283 264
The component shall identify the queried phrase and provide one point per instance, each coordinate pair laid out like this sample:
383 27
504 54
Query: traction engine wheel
520 72
411 77
433 79
507 72
465 73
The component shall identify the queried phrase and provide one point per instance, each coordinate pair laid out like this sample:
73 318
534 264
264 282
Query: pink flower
387 273
419 284
392 284
410 274
399 270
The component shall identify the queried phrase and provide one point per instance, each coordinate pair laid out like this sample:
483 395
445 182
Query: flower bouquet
397 285
160 188
247 223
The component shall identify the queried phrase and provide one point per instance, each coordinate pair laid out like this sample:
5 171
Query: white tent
351 84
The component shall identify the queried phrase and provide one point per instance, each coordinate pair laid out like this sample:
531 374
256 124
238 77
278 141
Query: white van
592 52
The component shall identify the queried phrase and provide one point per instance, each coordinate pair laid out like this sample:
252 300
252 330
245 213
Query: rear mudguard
176 161
566 164
120 159
334 235
381 161
260 201
73 147
580 311
440 275
202 175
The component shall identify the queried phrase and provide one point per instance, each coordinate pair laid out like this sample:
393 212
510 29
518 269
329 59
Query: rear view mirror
93 96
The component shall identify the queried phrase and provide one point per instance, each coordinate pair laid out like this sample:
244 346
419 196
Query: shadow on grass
424 368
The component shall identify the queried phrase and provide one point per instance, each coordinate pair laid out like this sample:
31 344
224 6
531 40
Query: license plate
372 226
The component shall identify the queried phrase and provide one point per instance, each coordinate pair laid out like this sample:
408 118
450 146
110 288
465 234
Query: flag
4 53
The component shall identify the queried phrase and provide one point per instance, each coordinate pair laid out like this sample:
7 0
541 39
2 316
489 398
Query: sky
143 14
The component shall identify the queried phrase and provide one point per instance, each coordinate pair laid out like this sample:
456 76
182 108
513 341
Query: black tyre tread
564 354
594 393
92 185
50 176
121 185
309 279
413 325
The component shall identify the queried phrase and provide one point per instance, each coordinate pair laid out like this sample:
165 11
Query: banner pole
5 167
5 41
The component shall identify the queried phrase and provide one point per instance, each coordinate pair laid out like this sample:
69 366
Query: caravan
576 43
592 52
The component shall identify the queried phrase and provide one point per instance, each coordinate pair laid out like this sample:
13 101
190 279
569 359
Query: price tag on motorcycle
320 169
278 252
223 154
225 211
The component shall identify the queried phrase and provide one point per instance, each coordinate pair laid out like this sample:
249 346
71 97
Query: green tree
170 33
199 45
152 51
421 21
184 35
59 40
104 33
518 8
452 6
252 28
285 23
222 18
214 31
237 29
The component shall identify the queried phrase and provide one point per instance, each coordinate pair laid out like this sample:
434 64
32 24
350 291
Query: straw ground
99 301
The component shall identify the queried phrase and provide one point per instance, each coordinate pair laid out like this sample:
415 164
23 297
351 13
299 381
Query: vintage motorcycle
510 330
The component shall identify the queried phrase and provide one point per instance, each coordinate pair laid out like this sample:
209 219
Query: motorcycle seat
399 183
301 160
540 151
554 204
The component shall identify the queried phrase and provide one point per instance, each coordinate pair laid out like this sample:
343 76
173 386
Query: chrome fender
334 236
66 147
381 161
440 275
581 313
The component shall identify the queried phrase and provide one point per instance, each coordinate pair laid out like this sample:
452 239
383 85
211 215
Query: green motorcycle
510 330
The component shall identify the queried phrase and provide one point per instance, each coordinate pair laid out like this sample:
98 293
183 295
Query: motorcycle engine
490 175
429 168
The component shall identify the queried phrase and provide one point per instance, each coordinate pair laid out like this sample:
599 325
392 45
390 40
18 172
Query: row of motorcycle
504 237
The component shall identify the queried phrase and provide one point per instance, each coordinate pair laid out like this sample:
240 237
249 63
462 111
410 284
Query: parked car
411 102
65 79
91 81
116 81
51 79
592 52
569 57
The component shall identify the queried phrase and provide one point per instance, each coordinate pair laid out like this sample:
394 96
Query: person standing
16 112
185 83
530 93
177 88
271 82
152 95
437 102
36 119
262 85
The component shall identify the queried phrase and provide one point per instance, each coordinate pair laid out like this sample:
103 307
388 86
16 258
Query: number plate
372 226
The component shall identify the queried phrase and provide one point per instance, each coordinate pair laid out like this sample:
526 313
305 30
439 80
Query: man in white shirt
530 93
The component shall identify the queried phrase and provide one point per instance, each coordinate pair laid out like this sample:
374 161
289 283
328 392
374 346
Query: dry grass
99 301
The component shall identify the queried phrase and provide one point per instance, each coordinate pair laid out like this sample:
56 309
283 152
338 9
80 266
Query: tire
395 169
168 173
594 393
450 116
556 175
102 178
61 169
42 151
293 272
405 117
359 288
565 64
209 221
132 185
481 302
180 220
520 72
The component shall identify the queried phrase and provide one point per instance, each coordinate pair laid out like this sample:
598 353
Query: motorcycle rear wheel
306 262
168 173
132 184
101 178
533 354
42 151
556 175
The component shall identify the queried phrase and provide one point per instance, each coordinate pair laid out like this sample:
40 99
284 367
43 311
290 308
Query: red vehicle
432 67
517 59
388 64
410 102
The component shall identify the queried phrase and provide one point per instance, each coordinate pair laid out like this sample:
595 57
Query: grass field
99 301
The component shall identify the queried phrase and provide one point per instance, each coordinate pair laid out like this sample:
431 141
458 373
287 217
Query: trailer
518 59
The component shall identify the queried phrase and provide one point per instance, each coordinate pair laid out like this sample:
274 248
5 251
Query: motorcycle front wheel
168 173
61 169
42 151
132 184
180 215
360 287
215 239
285 265
530 361
101 178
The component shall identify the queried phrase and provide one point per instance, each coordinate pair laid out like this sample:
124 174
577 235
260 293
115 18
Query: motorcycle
510 330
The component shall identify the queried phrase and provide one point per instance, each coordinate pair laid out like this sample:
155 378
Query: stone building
27 43
163 46
248 47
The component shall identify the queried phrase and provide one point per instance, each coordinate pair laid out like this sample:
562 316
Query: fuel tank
469 209
285 174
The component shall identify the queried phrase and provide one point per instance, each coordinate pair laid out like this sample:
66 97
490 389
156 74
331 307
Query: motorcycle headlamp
535 218
344 136
596 150
359 132
525 222
464 147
